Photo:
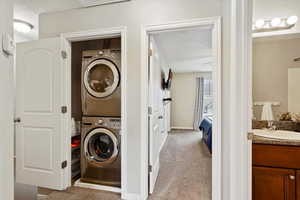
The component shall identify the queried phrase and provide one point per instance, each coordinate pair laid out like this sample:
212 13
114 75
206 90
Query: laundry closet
49 94
96 108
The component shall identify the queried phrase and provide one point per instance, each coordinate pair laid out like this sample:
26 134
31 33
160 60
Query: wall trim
78 183
67 38
240 45
182 127
215 22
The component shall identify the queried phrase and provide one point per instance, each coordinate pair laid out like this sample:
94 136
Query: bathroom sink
277 134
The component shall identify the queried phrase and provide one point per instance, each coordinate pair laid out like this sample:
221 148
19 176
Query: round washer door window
101 78
101 146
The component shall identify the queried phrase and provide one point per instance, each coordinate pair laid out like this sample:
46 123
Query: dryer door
101 147
101 78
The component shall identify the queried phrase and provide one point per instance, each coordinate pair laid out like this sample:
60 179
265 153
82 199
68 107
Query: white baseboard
182 127
78 183
133 196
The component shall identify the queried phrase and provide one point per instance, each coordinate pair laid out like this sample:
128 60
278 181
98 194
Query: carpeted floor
185 173
185 170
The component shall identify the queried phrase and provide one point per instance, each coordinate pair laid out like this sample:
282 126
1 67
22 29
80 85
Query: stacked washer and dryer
101 120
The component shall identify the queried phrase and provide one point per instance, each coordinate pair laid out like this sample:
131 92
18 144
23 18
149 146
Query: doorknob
17 120
292 177
160 117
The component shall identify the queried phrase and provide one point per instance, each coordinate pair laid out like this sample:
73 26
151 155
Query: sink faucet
271 125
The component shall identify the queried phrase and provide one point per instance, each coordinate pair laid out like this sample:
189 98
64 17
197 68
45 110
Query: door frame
215 22
67 39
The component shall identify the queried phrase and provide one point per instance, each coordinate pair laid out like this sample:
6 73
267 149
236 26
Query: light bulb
22 26
259 23
292 20
275 22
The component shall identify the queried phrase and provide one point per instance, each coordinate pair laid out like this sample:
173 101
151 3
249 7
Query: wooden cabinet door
273 184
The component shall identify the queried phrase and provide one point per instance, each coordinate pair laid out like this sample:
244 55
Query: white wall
183 94
268 9
131 14
6 107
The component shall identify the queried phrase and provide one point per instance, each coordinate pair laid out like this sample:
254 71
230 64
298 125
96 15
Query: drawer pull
292 177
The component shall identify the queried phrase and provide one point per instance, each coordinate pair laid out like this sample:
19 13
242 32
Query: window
208 97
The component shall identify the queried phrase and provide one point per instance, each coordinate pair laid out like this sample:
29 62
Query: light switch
8 44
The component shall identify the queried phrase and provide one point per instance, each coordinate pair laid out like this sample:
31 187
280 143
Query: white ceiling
46 6
188 50
29 11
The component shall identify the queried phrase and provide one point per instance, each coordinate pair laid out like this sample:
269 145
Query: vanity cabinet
275 172
273 184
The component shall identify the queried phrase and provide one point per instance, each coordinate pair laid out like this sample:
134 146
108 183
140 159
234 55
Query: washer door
101 78
101 147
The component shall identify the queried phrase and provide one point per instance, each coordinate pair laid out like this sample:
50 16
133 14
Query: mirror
276 75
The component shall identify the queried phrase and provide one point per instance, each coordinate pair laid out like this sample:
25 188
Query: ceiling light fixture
274 24
260 23
22 26
292 20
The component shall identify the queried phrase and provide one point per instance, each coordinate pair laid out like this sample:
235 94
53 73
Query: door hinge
149 110
64 164
150 52
64 109
150 168
64 54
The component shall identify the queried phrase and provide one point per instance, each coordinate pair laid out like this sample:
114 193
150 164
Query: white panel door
40 137
155 115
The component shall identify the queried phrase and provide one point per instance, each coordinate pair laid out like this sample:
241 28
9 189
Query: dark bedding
206 128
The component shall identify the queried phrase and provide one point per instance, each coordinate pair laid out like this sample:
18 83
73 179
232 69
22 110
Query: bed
206 128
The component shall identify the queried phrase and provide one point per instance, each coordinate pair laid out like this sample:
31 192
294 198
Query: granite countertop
263 140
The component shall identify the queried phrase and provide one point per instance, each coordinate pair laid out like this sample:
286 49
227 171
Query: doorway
151 111
62 154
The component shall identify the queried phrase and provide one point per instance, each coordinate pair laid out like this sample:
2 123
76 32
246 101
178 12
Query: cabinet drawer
276 156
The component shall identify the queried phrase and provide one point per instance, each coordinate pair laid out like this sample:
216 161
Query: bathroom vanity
275 169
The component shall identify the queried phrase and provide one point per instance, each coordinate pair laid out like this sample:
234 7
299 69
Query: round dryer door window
101 78
101 146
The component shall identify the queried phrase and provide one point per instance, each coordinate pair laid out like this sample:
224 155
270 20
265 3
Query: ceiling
188 50
46 6
29 11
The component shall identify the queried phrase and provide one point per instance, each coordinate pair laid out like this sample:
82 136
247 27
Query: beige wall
271 60
6 106
183 93
132 14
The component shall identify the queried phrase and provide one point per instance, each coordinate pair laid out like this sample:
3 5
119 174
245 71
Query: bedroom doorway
181 93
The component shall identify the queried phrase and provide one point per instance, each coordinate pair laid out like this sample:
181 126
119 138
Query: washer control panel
115 123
